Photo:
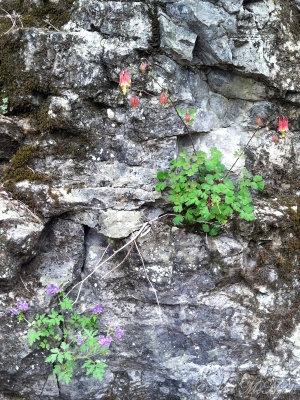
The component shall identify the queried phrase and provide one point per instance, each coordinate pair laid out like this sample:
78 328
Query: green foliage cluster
56 333
3 107
201 194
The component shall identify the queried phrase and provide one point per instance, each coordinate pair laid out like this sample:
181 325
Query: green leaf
192 112
214 231
178 219
260 185
253 185
33 336
60 358
51 358
66 304
257 178
205 228
177 209
64 346
162 175
160 186
56 369
229 200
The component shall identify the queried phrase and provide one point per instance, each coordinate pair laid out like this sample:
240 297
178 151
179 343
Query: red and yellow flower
283 125
125 80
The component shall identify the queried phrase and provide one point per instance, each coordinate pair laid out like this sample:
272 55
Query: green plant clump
3 107
201 192
69 338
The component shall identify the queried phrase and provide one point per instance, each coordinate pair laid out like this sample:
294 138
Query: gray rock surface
76 154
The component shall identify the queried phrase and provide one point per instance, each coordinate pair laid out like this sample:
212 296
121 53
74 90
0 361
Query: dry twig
143 231
151 284
14 18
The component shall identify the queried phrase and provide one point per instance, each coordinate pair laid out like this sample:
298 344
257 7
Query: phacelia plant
70 338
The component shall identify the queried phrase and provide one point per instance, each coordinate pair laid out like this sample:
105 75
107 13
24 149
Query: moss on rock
18 169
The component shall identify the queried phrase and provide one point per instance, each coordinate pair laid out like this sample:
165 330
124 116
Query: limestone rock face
20 231
204 317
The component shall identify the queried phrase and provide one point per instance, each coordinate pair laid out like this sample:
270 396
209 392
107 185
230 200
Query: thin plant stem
153 288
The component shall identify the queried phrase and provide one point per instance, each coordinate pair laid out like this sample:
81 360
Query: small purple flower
104 341
79 339
15 312
52 290
119 333
22 305
97 310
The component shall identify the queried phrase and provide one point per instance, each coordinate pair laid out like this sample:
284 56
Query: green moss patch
32 15
15 82
18 169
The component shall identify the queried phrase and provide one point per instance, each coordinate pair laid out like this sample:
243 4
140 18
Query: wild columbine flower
97 310
187 117
258 121
104 341
143 67
163 98
52 290
119 333
124 80
283 125
22 305
134 102
275 139
15 312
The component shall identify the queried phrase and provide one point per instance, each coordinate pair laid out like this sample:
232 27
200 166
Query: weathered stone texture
85 163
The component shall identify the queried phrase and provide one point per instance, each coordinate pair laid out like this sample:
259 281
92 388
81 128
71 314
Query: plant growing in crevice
200 192
3 107
199 187
70 338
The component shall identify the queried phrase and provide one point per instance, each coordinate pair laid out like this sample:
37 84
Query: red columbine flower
124 80
143 67
283 125
275 139
279 124
163 98
258 121
187 117
134 101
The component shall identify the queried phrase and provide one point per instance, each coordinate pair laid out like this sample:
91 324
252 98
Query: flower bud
163 98
187 117
143 67
258 121
134 102
275 139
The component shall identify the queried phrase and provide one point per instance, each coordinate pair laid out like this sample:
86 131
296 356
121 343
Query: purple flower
79 339
97 310
119 333
104 341
15 312
52 290
22 305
